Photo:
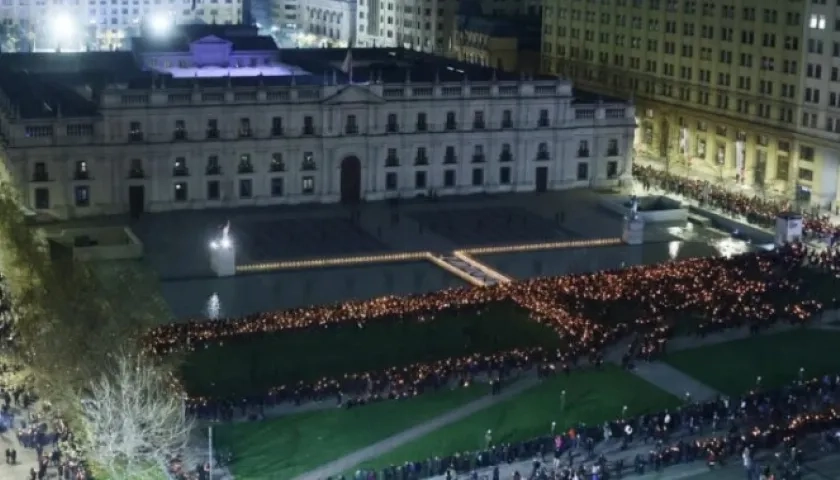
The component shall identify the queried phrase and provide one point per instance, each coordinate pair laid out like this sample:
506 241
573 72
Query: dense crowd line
712 431
589 311
756 210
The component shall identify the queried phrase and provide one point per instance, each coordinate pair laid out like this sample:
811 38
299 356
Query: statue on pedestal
634 206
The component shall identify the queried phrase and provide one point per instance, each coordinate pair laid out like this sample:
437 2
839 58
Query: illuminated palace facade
741 90
227 122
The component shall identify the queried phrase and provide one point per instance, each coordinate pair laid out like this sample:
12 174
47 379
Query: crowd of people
755 209
712 431
590 312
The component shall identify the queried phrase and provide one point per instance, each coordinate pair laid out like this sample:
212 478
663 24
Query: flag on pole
347 65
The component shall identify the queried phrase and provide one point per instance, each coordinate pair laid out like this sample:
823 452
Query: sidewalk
611 450
347 462
664 381
697 173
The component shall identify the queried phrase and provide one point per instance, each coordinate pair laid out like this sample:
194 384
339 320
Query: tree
134 419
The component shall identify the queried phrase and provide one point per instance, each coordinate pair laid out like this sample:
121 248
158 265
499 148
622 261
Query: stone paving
26 457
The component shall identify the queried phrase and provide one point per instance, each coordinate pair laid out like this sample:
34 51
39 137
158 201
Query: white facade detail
166 149
331 20
410 24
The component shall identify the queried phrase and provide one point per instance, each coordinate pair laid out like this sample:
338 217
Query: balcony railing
79 175
180 172
392 162
542 155
213 170
506 157
507 124
179 135
450 159
421 160
422 127
135 137
212 133
309 130
136 173
450 126
478 158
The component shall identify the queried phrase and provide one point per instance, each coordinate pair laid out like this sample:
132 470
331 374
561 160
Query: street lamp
62 30
160 25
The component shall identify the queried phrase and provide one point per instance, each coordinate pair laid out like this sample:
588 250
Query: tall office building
745 90
427 25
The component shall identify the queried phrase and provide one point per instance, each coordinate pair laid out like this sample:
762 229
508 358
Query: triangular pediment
354 94
211 40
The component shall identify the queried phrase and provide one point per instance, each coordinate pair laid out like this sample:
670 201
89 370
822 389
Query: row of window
277 185
726 57
768 108
245 165
351 124
706 32
707 9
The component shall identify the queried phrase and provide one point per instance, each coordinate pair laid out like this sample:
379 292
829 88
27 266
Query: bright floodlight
225 242
62 27
160 24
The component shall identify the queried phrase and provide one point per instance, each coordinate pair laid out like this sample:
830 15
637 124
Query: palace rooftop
44 85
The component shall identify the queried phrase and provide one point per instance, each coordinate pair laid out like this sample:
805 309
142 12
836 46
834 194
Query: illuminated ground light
455 271
333 262
531 247
485 269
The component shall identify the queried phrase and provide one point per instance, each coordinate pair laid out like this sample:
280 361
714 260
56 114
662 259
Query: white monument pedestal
223 255
633 232
788 228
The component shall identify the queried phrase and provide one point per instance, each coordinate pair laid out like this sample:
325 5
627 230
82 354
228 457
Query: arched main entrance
351 180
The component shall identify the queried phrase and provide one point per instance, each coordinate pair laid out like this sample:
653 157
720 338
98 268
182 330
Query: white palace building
210 121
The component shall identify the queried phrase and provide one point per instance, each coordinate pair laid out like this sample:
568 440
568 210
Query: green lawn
288 446
253 364
733 367
592 397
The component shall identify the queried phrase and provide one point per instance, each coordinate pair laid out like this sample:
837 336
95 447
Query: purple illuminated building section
213 72
211 57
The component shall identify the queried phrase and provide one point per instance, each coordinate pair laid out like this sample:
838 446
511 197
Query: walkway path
657 373
347 462
674 381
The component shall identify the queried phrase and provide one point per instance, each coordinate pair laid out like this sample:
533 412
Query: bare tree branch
134 418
